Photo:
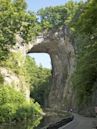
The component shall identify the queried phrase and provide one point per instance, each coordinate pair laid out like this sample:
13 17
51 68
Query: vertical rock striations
59 46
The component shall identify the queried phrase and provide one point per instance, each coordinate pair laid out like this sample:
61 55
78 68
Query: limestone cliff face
59 46
11 78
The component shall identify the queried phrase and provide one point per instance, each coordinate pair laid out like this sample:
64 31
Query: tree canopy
15 20
85 75
58 16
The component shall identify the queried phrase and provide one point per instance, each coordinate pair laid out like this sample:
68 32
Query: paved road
81 122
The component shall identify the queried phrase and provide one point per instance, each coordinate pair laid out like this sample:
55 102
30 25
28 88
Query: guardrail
70 125
59 124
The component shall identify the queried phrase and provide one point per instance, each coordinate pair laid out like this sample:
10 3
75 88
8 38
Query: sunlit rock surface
59 46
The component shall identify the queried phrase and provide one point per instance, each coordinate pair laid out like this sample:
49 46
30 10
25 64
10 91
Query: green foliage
1 79
18 64
39 80
13 106
7 95
15 62
28 110
72 8
41 86
52 17
58 16
9 103
87 21
14 19
85 74
31 69
7 112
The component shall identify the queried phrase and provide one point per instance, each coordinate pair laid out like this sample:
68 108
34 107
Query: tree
15 19
58 16
85 74
52 17
39 80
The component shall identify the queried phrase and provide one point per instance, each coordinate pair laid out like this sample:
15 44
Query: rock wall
11 79
58 45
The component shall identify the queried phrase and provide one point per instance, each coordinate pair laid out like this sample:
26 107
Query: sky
35 5
42 58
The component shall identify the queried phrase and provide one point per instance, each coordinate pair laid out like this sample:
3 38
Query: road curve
81 122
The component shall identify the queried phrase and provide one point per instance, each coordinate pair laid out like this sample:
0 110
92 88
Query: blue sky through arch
42 59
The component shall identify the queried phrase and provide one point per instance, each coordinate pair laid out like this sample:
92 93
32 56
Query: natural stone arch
59 46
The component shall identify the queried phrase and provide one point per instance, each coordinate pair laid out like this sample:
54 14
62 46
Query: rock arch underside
58 44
